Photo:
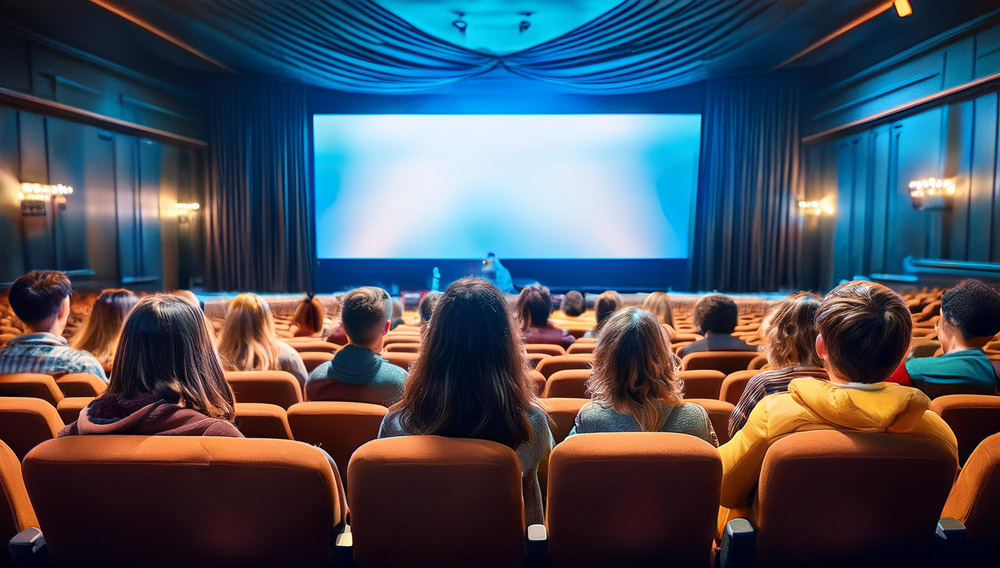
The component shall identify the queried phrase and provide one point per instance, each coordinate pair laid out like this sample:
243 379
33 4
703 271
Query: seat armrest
28 548
536 547
343 549
951 530
738 544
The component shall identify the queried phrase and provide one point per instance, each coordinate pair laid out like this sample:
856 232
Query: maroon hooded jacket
146 416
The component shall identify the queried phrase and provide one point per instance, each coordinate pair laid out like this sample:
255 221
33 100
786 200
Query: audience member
470 381
716 315
659 304
634 384
397 313
573 304
426 308
970 318
166 378
534 305
40 299
104 324
248 342
365 317
307 321
190 297
790 344
606 304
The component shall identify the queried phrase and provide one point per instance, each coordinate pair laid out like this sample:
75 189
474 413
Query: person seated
863 332
190 297
397 313
606 304
307 321
790 345
426 308
534 305
100 335
634 384
970 318
248 342
365 317
166 379
471 381
659 304
715 316
573 304
40 299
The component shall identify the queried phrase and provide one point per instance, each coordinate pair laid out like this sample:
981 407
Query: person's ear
821 348
385 328
64 309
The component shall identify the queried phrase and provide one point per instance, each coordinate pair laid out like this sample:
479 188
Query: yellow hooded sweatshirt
815 404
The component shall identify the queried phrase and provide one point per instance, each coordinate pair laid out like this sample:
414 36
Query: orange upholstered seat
719 412
331 389
26 422
562 415
184 501
313 359
557 363
975 500
723 361
972 417
402 348
546 348
35 385
433 501
259 420
704 383
733 386
312 345
568 383
340 428
401 338
81 384
16 513
633 499
269 387
69 408
399 359
757 362
538 381
579 348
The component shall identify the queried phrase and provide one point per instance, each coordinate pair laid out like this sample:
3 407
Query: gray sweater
684 418
361 366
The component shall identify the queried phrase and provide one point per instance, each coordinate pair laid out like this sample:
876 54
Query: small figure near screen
496 273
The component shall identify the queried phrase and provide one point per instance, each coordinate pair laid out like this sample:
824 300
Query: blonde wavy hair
248 342
658 303
790 332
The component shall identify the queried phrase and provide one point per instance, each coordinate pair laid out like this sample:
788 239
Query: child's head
716 313
970 310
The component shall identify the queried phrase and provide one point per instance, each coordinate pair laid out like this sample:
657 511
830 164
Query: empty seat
562 415
81 384
258 420
16 513
339 428
269 387
538 381
704 383
396 338
972 417
398 359
434 501
757 362
69 408
26 422
718 413
546 348
723 361
633 499
312 345
313 359
733 386
562 362
975 500
578 348
35 385
332 389
402 348
569 383
535 358
184 500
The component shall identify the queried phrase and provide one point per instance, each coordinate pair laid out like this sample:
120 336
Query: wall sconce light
932 194
34 196
186 210
817 208
903 8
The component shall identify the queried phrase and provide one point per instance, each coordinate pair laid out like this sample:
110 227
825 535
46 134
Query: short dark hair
866 328
426 305
973 307
38 295
716 313
534 305
364 314
573 304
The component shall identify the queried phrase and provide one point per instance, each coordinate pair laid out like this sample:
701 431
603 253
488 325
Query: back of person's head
104 324
189 297
790 332
165 350
973 308
39 295
470 379
426 306
309 314
659 304
397 308
248 342
716 313
866 329
573 304
634 369
534 305
365 313
606 304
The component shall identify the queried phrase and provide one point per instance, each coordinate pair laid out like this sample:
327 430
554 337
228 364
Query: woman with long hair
307 321
534 306
100 335
166 378
606 304
658 303
470 380
248 342
634 383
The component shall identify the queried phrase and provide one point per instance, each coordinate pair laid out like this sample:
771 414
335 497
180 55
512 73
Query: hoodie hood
356 365
879 407
145 415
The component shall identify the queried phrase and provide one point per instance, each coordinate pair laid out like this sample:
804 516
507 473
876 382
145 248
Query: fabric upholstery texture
972 417
339 428
259 420
269 387
26 422
35 385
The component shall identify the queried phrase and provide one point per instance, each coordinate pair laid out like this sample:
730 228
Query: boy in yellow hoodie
864 331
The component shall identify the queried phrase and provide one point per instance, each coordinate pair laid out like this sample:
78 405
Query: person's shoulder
392 425
322 372
391 372
217 427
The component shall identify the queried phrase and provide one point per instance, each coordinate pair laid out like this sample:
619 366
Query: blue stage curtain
747 221
258 229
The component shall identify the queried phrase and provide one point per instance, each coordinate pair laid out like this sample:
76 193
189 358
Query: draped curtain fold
747 224
259 230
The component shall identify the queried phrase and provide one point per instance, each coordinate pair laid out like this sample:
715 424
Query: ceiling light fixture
903 8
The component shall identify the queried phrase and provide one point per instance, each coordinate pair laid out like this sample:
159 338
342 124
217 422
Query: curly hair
972 307
790 332
716 313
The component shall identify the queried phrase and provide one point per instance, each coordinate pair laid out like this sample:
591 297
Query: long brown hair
534 306
659 304
100 335
248 342
790 332
634 369
309 315
165 350
470 379
607 303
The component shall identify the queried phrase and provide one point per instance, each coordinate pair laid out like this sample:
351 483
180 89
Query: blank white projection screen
583 186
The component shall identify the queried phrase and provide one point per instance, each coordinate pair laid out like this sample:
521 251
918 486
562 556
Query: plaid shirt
46 353
767 382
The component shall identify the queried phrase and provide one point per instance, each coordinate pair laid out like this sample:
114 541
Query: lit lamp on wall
186 210
34 196
816 208
932 194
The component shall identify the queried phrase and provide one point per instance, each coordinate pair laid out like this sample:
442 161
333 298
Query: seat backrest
26 422
568 383
723 361
703 383
851 498
269 387
734 384
633 499
259 420
972 417
16 512
400 359
69 408
757 363
546 348
463 495
184 500
719 412
312 345
340 428
975 498
35 385
551 365
538 381
334 390
397 338
81 384
402 348
562 414
313 359
578 348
